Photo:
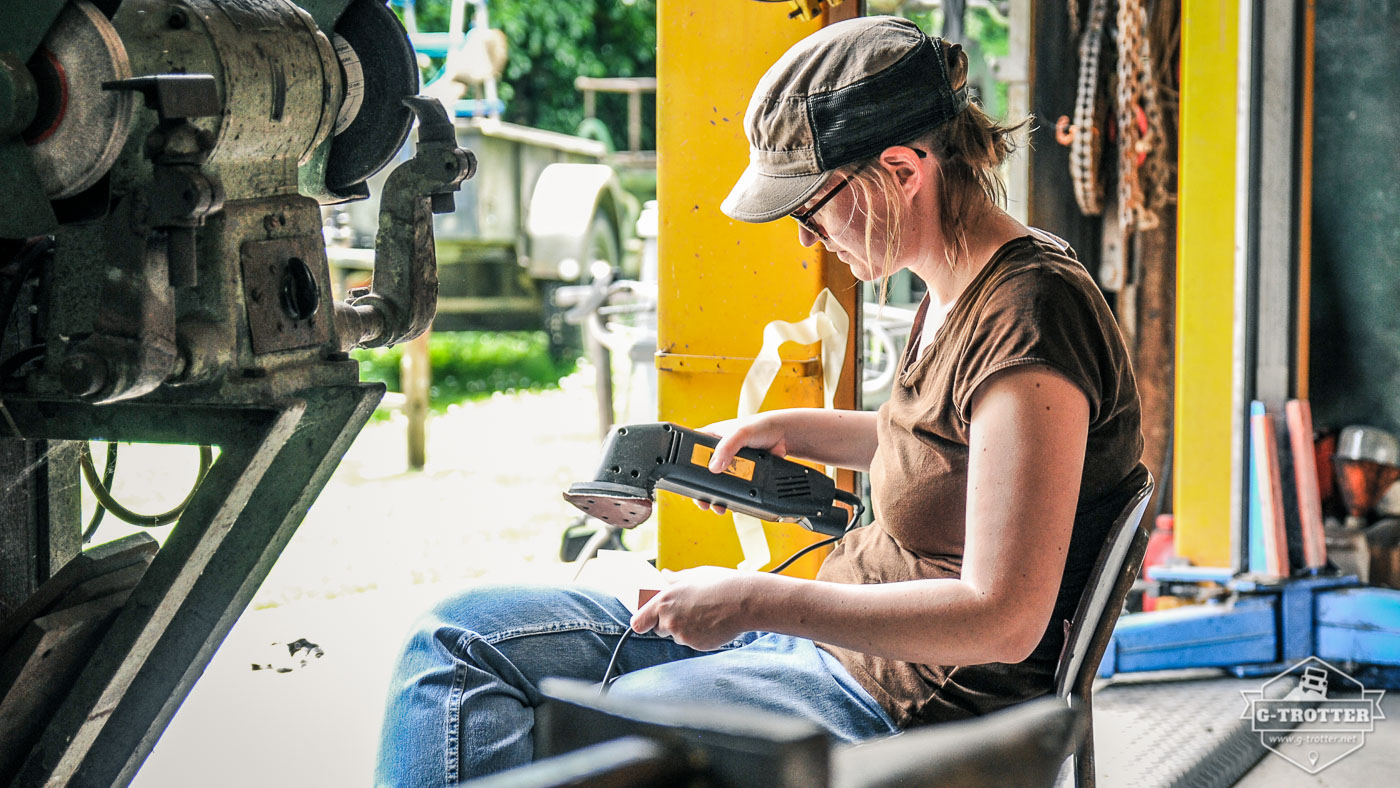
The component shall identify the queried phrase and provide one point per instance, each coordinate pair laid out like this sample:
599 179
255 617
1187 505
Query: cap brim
763 198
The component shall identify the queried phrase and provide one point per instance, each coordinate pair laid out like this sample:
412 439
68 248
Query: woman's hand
761 431
702 608
843 438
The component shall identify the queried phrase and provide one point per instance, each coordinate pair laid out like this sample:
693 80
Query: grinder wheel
79 128
390 73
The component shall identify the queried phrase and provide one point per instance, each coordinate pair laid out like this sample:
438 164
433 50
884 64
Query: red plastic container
1161 546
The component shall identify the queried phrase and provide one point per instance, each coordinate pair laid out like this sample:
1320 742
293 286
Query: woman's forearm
930 622
844 438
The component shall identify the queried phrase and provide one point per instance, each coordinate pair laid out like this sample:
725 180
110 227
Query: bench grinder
163 278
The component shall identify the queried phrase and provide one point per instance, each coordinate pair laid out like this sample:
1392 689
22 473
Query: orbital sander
639 459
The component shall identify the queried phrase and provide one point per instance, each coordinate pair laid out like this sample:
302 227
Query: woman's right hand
761 431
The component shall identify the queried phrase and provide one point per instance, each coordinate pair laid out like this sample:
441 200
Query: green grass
471 365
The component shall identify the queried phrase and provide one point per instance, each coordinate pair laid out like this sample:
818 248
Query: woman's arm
1029 430
844 438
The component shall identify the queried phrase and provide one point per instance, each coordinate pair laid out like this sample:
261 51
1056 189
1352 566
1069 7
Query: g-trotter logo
1318 722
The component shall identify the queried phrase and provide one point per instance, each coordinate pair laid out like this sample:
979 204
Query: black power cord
857 507
109 474
102 490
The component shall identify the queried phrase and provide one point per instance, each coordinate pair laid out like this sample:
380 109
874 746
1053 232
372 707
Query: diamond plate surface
1158 732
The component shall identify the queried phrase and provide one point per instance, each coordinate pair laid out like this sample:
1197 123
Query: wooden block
1289 484
1300 436
136 549
1265 456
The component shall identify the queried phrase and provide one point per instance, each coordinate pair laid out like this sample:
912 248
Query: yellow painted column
1205 280
721 281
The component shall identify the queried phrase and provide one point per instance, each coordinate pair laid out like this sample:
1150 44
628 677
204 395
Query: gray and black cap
838 96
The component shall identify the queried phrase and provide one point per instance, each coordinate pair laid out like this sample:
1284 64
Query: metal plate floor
1184 728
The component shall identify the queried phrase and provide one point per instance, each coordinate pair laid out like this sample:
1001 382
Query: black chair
1112 577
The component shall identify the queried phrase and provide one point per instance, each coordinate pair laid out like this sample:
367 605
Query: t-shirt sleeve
1036 317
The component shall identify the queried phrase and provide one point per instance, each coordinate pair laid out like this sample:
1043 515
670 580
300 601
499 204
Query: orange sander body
639 459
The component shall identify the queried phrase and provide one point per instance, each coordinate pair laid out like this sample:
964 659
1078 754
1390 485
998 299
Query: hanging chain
1158 172
1085 138
1136 127
1135 134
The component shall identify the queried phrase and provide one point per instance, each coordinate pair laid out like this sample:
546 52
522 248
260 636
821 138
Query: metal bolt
178 19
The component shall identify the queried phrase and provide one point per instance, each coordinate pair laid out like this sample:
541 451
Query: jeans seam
571 626
549 629
459 652
454 709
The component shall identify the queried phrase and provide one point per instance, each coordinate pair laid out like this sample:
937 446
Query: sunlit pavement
380 545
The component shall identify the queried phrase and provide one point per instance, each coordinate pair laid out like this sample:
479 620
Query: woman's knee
493 612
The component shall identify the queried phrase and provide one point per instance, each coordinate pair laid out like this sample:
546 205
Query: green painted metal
311 176
22 33
1355 327
27 213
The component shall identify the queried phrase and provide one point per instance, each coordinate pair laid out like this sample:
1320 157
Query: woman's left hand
703 608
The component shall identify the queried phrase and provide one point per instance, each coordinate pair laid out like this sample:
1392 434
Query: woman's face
840 223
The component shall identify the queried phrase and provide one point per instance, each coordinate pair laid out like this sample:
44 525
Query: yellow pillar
721 281
1205 280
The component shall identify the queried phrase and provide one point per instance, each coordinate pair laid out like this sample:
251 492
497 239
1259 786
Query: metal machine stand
275 458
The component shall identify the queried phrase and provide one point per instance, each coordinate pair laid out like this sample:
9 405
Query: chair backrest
1108 584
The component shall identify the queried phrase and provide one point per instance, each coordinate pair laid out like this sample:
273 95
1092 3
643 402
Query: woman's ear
907 168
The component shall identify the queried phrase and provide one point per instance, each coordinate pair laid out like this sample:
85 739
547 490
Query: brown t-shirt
1032 304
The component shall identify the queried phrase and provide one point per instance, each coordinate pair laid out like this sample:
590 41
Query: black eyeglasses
804 218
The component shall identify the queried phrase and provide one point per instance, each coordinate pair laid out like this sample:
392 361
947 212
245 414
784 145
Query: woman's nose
806 237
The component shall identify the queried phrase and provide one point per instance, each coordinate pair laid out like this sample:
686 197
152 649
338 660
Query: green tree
552 42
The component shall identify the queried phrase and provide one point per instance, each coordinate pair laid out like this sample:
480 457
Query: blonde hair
968 151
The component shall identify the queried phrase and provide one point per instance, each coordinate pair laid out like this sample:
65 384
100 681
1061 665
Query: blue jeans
463 695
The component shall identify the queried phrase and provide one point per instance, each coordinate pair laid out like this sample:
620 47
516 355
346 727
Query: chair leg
1084 776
